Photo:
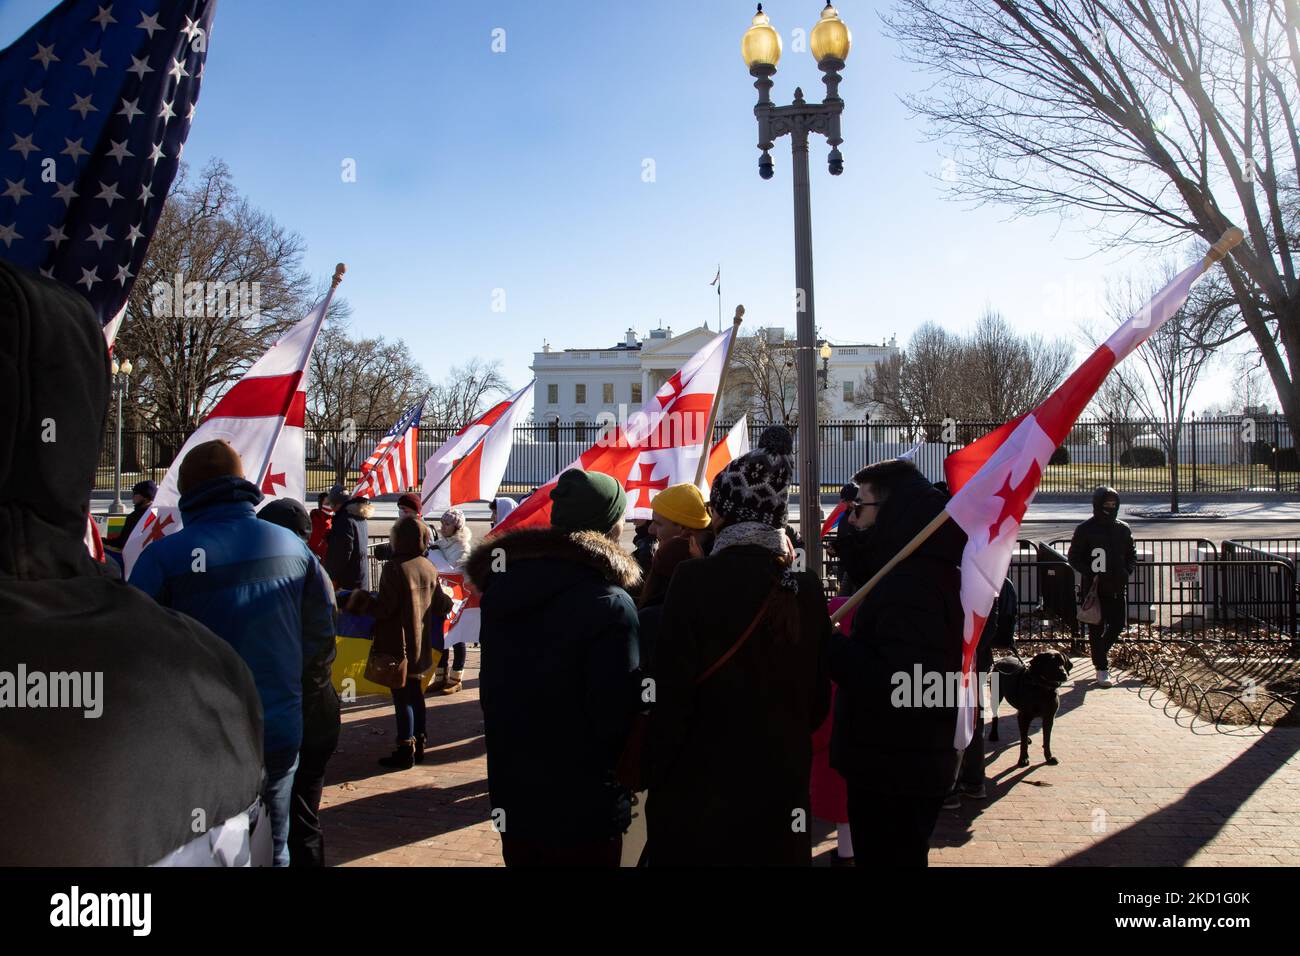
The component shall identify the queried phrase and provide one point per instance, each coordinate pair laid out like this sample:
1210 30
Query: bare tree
465 393
1162 119
1006 374
357 389
763 379
991 375
1162 374
1114 403
1250 389
221 282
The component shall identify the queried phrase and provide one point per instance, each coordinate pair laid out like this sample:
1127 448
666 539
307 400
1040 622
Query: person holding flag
992 481
899 762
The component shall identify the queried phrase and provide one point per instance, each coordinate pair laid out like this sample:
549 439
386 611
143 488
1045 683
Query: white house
576 385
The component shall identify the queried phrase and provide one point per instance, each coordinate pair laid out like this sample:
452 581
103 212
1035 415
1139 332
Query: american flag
97 100
392 467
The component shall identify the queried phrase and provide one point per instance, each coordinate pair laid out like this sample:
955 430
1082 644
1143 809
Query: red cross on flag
262 416
658 446
469 466
994 479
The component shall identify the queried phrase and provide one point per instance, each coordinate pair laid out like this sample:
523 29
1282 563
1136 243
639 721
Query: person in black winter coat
898 758
347 557
320 715
142 496
171 742
1102 550
558 677
740 683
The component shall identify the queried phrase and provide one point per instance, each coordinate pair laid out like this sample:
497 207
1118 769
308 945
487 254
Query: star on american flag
97 99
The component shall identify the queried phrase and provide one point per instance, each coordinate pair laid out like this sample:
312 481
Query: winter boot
453 682
439 680
419 747
1103 679
403 758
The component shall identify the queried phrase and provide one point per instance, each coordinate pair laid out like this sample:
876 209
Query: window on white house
636 393
607 393
580 394
552 394
848 391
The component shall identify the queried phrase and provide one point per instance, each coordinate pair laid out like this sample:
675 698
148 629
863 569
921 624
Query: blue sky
523 171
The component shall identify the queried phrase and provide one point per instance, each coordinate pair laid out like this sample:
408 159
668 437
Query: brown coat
410 598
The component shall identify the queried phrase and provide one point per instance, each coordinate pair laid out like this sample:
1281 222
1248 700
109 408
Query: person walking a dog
1102 551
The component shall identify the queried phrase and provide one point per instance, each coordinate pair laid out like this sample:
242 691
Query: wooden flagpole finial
1230 239
338 275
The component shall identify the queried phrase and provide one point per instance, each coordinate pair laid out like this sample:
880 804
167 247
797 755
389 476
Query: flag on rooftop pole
262 416
469 466
392 467
994 479
658 446
97 100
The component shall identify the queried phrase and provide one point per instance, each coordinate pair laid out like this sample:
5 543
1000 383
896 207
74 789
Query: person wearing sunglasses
898 760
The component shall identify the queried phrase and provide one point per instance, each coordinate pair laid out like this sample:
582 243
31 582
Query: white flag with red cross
262 416
469 466
994 479
658 446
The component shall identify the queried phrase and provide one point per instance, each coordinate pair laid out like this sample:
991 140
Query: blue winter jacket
255 584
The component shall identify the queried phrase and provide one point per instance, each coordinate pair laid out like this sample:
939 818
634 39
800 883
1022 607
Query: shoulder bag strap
762 609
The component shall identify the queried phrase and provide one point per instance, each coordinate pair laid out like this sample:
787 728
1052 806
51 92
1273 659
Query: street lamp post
825 352
121 378
830 42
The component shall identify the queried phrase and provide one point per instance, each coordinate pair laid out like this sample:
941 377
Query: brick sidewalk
1134 786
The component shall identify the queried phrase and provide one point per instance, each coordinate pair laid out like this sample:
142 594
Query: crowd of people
699 673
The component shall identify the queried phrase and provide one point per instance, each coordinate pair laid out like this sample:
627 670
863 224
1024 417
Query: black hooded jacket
911 619
1104 542
179 732
558 682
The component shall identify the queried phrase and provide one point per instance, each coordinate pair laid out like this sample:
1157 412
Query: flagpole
719 298
935 524
324 310
460 461
707 443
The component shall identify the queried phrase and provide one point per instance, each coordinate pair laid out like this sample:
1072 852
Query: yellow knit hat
683 505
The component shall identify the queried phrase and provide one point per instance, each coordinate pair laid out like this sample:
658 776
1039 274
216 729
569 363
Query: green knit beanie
587 501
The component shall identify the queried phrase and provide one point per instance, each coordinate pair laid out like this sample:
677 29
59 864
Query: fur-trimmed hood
585 548
361 508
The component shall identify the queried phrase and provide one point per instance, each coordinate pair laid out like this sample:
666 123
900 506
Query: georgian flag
725 452
658 446
994 479
462 623
469 466
262 416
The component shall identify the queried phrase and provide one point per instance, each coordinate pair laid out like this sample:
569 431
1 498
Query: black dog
1032 692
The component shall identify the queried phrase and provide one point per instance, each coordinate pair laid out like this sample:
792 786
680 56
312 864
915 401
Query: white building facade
577 385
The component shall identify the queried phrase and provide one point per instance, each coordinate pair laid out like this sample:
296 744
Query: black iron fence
1231 455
